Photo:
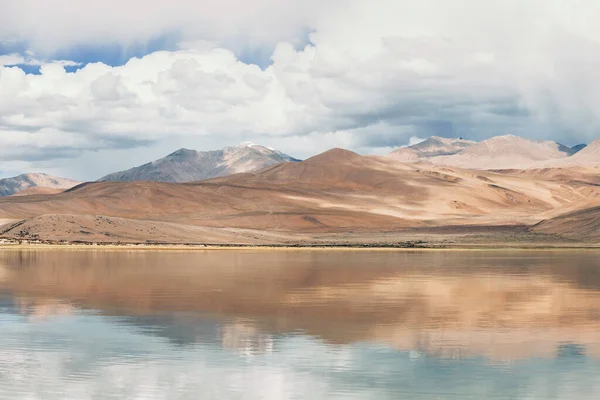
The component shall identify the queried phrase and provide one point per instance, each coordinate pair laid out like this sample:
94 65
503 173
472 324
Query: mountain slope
189 165
586 156
577 148
38 190
506 151
431 147
17 184
580 224
335 192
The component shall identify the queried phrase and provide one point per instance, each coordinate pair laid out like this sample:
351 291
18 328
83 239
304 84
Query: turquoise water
299 325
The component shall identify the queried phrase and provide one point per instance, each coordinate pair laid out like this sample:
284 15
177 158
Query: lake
260 324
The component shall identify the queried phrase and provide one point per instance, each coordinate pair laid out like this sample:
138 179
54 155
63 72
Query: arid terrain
34 183
335 197
185 165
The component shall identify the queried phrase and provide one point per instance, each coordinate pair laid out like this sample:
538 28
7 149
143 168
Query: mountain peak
182 152
497 152
589 154
503 152
445 140
335 154
248 145
431 147
185 165
14 185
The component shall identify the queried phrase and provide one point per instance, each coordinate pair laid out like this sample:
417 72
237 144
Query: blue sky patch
29 69
116 54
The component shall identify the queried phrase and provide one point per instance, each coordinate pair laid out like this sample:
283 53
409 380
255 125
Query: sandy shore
445 238
299 247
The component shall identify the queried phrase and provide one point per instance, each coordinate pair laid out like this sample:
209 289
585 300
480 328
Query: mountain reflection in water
349 324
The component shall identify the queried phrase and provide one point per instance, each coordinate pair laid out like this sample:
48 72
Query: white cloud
30 59
62 23
373 76
11 59
90 357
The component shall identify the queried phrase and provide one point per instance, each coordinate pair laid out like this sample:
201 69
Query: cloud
88 356
63 23
17 59
368 78
11 59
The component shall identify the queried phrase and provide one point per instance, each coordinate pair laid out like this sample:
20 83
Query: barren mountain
588 156
583 224
577 148
97 228
38 190
431 147
189 165
507 151
11 186
337 192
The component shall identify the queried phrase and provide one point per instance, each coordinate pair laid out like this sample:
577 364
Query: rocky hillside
17 184
508 151
431 147
186 165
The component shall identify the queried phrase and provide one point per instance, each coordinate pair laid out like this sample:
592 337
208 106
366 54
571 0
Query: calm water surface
299 325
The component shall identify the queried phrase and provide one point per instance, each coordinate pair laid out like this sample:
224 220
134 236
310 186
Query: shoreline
402 246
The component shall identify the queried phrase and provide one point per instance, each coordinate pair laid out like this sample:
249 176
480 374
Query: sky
88 87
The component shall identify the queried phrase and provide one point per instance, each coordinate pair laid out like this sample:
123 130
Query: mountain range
431 147
33 184
589 155
454 192
186 165
499 152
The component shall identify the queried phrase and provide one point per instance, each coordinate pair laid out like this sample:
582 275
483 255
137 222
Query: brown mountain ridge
336 194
